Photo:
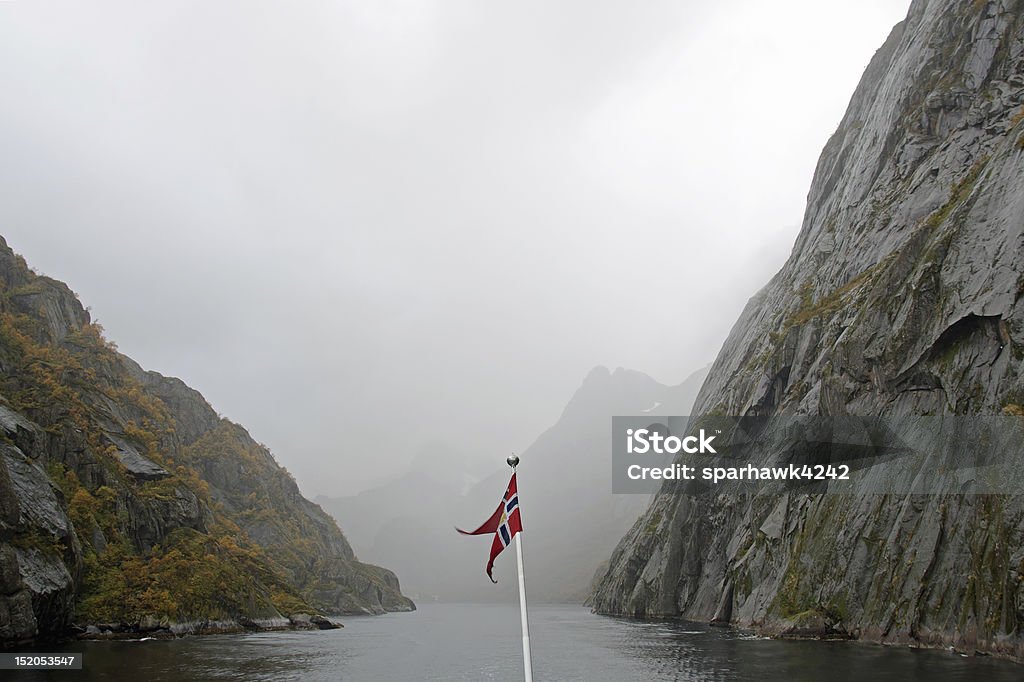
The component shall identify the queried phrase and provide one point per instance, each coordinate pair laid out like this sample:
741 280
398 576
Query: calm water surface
482 642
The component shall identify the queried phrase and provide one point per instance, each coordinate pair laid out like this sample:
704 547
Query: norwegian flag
505 522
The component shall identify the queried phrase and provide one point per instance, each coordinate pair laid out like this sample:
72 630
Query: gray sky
359 227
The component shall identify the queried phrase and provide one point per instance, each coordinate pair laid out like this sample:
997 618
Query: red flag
505 522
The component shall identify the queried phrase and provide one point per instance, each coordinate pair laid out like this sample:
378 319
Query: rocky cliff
125 500
901 297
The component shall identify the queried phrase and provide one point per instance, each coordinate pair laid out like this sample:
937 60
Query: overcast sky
360 227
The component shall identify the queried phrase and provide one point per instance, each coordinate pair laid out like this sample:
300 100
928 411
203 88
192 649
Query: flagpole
527 658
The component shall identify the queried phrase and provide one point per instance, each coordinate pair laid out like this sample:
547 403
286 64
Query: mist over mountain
571 519
335 218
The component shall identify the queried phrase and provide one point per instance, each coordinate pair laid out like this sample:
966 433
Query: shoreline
780 631
134 632
152 628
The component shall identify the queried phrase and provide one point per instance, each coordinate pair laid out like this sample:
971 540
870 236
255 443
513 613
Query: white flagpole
527 662
527 658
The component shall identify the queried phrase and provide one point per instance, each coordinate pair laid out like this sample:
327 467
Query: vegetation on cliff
128 498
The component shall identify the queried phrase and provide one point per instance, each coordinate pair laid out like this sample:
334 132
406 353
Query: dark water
482 642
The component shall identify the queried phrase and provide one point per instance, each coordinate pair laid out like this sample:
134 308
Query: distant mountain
439 470
572 520
127 503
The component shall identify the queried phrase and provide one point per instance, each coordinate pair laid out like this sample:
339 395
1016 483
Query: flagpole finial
513 461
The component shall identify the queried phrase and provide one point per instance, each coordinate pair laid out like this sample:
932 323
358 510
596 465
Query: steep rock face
901 297
125 498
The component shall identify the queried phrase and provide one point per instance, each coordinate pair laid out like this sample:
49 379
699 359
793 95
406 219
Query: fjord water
482 642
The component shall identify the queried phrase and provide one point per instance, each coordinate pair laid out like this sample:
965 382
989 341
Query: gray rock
346 586
99 541
11 422
36 496
324 623
901 297
17 619
10 574
10 510
138 466
52 588
51 301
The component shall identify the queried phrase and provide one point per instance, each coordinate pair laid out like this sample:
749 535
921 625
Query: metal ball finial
513 461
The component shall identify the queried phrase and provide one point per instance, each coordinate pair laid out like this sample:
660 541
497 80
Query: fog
362 228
